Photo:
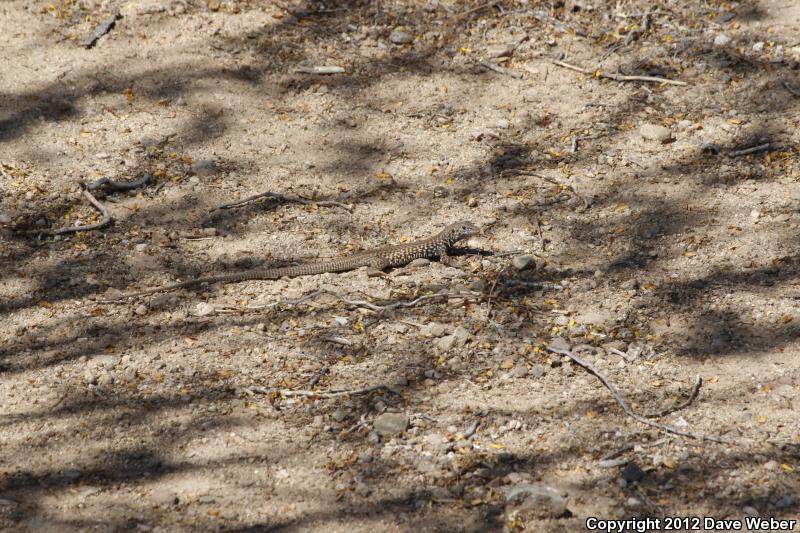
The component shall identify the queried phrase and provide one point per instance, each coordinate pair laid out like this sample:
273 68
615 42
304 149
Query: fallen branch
524 172
618 77
792 91
698 381
753 150
118 185
288 393
565 27
319 69
103 28
465 14
282 198
499 69
363 303
107 219
625 407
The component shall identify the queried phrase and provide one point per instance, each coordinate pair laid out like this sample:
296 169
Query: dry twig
525 172
752 150
107 219
282 198
792 91
364 303
625 407
619 77
118 185
499 69
318 394
698 381
465 14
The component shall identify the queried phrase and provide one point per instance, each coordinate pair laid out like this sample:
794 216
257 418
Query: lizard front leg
444 257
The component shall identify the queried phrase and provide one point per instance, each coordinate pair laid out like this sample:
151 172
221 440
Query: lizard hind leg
377 266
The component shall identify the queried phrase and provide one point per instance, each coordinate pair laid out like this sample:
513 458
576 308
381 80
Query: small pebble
539 501
721 39
204 309
204 167
655 132
140 310
520 370
446 343
559 343
390 424
537 371
401 37
523 262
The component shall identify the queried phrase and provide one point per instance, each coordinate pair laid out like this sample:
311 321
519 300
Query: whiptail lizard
435 247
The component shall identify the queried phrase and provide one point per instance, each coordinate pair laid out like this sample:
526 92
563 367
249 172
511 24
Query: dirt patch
660 252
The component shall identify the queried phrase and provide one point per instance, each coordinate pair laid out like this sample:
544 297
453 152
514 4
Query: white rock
655 132
204 309
721 40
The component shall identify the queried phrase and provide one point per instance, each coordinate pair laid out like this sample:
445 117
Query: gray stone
632 472
535 501
401 37
750 511
163 496
784 502
655 132
524 262
537 371
106 361
446 343
204 167
419 262
338 415
432 329
721 40
499 50
390 424
559 343
520 370
72 473
461 335
204 309
633 503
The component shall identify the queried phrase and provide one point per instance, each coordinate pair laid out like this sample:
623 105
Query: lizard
379 259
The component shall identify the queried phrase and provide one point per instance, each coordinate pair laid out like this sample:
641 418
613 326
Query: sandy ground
660 254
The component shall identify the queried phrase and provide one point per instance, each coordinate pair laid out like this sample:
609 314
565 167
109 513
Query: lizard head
461 230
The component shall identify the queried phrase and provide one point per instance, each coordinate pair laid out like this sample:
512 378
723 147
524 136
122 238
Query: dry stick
619 77
630 412
793 92
499 70
698 381
635 33
107 219
524 172
361 303
543 17
282 198
465 14
539 232
755 149
314 394
118 185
